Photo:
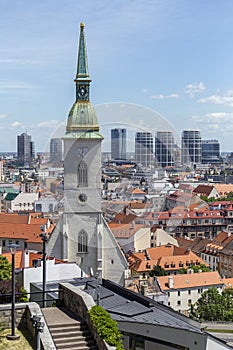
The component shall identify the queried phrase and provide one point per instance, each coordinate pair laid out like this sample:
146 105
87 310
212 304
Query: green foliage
195 268
23 298
6 291
106 327
157 271
5 268
213 306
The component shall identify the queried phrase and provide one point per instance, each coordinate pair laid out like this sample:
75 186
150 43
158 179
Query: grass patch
217 330
24 343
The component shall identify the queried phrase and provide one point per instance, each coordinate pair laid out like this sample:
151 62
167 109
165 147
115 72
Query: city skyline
172 57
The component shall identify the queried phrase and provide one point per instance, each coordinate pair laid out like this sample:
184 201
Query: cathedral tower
82 235
82 171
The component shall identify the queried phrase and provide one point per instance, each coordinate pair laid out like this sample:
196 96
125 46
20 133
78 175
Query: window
82 175
4 243
178 302
178 293
189 291
189 302
168 294
82 242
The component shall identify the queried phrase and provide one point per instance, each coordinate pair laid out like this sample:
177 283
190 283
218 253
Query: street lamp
44 238
13 336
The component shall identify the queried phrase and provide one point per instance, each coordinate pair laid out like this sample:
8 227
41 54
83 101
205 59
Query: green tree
183 271
5 268
195 268
157 271
209 307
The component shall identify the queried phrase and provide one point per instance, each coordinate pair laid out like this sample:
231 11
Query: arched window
82 242
82 175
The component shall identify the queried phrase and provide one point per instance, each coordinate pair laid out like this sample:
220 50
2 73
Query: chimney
170 282
25 258
144 289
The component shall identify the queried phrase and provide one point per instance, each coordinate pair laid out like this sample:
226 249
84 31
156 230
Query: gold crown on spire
81 25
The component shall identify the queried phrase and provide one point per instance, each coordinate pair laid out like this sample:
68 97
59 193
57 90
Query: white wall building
184 290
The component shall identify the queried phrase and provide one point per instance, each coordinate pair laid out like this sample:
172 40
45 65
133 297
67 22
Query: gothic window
82 175
82 242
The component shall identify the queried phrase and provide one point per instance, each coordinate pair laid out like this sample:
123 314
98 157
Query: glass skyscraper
118 143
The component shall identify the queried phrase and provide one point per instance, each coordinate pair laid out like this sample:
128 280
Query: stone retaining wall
23 314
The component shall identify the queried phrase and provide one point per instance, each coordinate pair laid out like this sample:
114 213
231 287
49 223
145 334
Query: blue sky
172 56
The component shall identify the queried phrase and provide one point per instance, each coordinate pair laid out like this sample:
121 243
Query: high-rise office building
164 148
210 152
25 149
118 143
144 148
55 150
191 147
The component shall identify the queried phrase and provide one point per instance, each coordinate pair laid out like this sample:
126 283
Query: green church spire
82 120
82 69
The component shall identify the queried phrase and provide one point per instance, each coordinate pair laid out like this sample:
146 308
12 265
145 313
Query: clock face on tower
82 197
82 91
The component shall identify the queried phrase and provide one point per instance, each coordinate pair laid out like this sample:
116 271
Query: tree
5 268
157 271
6 291
195 268
213 306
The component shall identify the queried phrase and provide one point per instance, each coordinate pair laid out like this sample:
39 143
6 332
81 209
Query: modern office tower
55 150
25 149
164 148
118 143
210 152
191 147
144 148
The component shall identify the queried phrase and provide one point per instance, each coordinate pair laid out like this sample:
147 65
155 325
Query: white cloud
226 99
15 124
215 122
163 97
193 89
6 85
48 124
2 116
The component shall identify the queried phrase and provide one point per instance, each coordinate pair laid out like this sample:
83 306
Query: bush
106 327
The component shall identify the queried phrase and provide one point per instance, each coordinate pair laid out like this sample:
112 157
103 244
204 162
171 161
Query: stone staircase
68 331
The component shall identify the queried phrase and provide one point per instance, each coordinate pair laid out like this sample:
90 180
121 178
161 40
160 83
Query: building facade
118 143
210 151
25 149
164 148
191 147
55 150
144 148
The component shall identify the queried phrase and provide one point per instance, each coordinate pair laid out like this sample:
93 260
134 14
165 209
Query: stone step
67 345
64 327
78 347
70 333
73 340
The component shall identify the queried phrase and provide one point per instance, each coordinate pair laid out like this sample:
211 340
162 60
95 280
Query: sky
171 60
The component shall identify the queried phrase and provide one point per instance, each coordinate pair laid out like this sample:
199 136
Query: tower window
82 175
82 242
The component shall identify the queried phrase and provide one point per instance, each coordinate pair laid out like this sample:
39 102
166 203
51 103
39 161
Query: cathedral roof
82 120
